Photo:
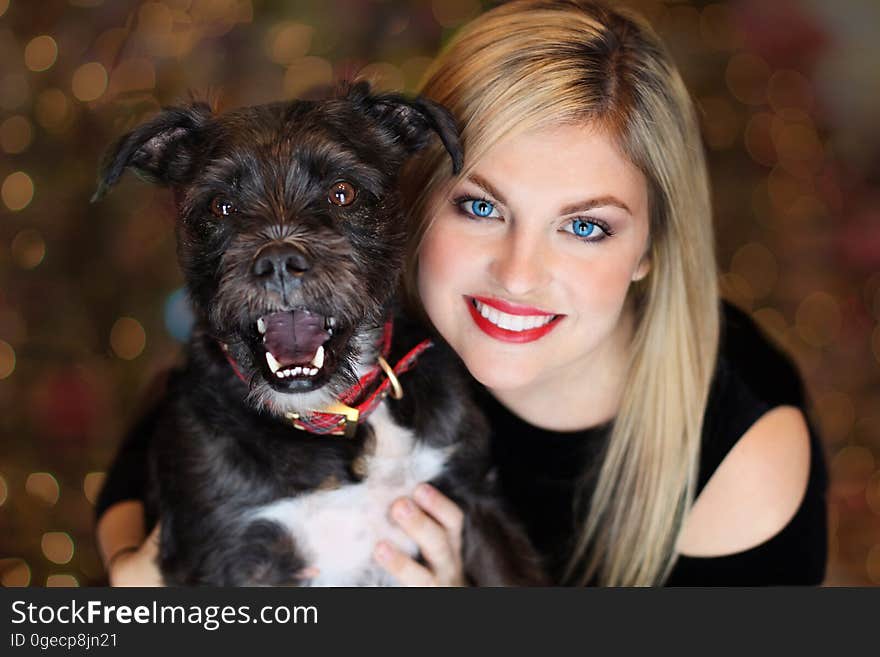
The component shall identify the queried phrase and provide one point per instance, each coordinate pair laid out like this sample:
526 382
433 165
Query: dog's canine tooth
318 360
274 365
332 322
261 325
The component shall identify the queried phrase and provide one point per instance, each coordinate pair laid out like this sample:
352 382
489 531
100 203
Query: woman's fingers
447 512
405 569
432 538
435 523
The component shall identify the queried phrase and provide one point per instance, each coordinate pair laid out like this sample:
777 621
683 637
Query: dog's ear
157 151
412 121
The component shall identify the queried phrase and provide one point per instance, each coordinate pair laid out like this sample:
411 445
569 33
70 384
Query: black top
538 469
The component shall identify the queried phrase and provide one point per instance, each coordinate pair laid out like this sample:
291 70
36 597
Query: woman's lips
500 313
511 308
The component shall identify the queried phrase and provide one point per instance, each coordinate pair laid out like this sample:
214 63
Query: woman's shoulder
760 461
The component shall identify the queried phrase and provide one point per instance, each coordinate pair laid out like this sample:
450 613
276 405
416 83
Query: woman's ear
643 268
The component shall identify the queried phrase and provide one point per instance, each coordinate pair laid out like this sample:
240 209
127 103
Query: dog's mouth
294 348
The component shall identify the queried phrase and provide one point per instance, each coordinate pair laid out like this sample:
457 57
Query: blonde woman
644 432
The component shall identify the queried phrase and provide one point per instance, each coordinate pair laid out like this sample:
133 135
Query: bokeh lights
91 306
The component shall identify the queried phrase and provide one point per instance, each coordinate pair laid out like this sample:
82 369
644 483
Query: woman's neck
579 397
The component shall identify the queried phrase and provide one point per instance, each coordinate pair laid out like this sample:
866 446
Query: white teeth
332 322
512 322
275 366
318 360
261 325
296 371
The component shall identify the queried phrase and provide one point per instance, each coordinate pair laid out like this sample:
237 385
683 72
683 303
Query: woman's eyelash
481 207
577 222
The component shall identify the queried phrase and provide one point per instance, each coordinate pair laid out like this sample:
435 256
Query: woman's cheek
599 288
444 253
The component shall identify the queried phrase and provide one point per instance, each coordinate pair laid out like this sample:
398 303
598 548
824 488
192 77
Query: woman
571 266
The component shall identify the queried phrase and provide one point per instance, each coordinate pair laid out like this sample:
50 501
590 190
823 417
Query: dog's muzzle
280 267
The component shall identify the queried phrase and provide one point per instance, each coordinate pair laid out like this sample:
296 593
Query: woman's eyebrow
572 208
589 204
487 187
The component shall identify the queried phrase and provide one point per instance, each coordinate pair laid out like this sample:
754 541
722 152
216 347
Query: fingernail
404 508
383 553
423 492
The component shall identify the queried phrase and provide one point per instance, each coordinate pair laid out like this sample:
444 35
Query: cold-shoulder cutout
755 491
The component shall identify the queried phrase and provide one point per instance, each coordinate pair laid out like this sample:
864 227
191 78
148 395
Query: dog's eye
222 207
342 193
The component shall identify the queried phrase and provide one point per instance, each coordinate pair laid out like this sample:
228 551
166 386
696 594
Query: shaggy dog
307 404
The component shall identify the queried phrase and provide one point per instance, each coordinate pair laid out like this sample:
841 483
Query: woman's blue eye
480 208
582 228
589 231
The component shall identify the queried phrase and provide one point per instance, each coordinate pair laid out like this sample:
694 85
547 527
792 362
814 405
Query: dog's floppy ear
156 151
412 121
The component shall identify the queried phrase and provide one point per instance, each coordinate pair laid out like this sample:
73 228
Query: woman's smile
509 322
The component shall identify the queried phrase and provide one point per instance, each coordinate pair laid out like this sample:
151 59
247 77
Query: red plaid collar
354 405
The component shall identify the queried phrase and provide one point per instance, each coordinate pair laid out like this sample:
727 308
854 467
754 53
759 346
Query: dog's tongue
293 337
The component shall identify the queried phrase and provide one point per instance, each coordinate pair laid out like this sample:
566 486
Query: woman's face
526 266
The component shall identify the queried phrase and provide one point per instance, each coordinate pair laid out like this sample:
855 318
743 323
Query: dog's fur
245 498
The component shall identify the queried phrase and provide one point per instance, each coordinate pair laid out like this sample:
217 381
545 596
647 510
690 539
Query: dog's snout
279 264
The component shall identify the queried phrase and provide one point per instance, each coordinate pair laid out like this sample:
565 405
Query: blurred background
90 301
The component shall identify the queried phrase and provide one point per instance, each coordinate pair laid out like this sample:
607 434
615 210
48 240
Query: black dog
291 240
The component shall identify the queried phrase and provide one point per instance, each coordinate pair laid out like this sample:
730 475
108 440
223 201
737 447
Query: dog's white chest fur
337 530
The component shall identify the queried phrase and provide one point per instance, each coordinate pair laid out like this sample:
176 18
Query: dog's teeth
261 325
318 360
279 374
288 372
312 372
332 322
274 365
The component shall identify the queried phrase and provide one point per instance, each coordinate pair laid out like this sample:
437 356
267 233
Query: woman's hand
137 567
435 523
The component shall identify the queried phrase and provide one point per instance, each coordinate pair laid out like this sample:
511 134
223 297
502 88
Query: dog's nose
280 264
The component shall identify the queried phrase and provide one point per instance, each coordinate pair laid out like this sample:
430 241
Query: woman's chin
500 374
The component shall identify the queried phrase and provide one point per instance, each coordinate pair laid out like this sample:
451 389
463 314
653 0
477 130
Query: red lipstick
512 308
505 335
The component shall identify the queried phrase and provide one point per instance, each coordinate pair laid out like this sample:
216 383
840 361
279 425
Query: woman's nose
519 264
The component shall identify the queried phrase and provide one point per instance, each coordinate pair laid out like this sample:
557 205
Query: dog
308 401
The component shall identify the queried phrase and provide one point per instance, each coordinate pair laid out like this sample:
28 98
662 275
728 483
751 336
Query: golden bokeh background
90 302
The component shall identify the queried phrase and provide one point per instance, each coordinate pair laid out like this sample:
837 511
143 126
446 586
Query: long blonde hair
531 64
